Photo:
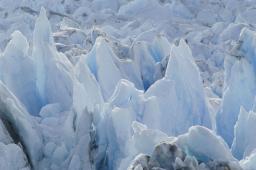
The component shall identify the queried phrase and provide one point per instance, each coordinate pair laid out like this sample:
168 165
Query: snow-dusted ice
127 84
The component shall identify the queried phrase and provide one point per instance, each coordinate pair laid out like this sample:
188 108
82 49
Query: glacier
240 73
243 143
127 84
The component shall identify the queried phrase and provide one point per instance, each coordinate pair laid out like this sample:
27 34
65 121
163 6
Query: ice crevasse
146 110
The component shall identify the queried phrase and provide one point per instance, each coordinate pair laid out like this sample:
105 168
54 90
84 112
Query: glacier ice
143 141
182 86
54 72
189 151
86 91
196 143
121 84
243 143
145 62
15 63
25 126
248 162
105 64
12 157
239 73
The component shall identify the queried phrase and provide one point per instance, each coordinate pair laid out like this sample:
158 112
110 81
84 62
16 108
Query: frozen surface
127 84
249 162
54 71
24 126
240 71
190 151
244 141
15 63
182 88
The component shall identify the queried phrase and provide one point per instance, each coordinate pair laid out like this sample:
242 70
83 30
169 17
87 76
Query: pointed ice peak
244 141
182 69
183 48
180 55
86 92
16 63
186 93
243 113
102 44
18 44
95 33
42 13
101 41
52 68
42 32
242 75
103 63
